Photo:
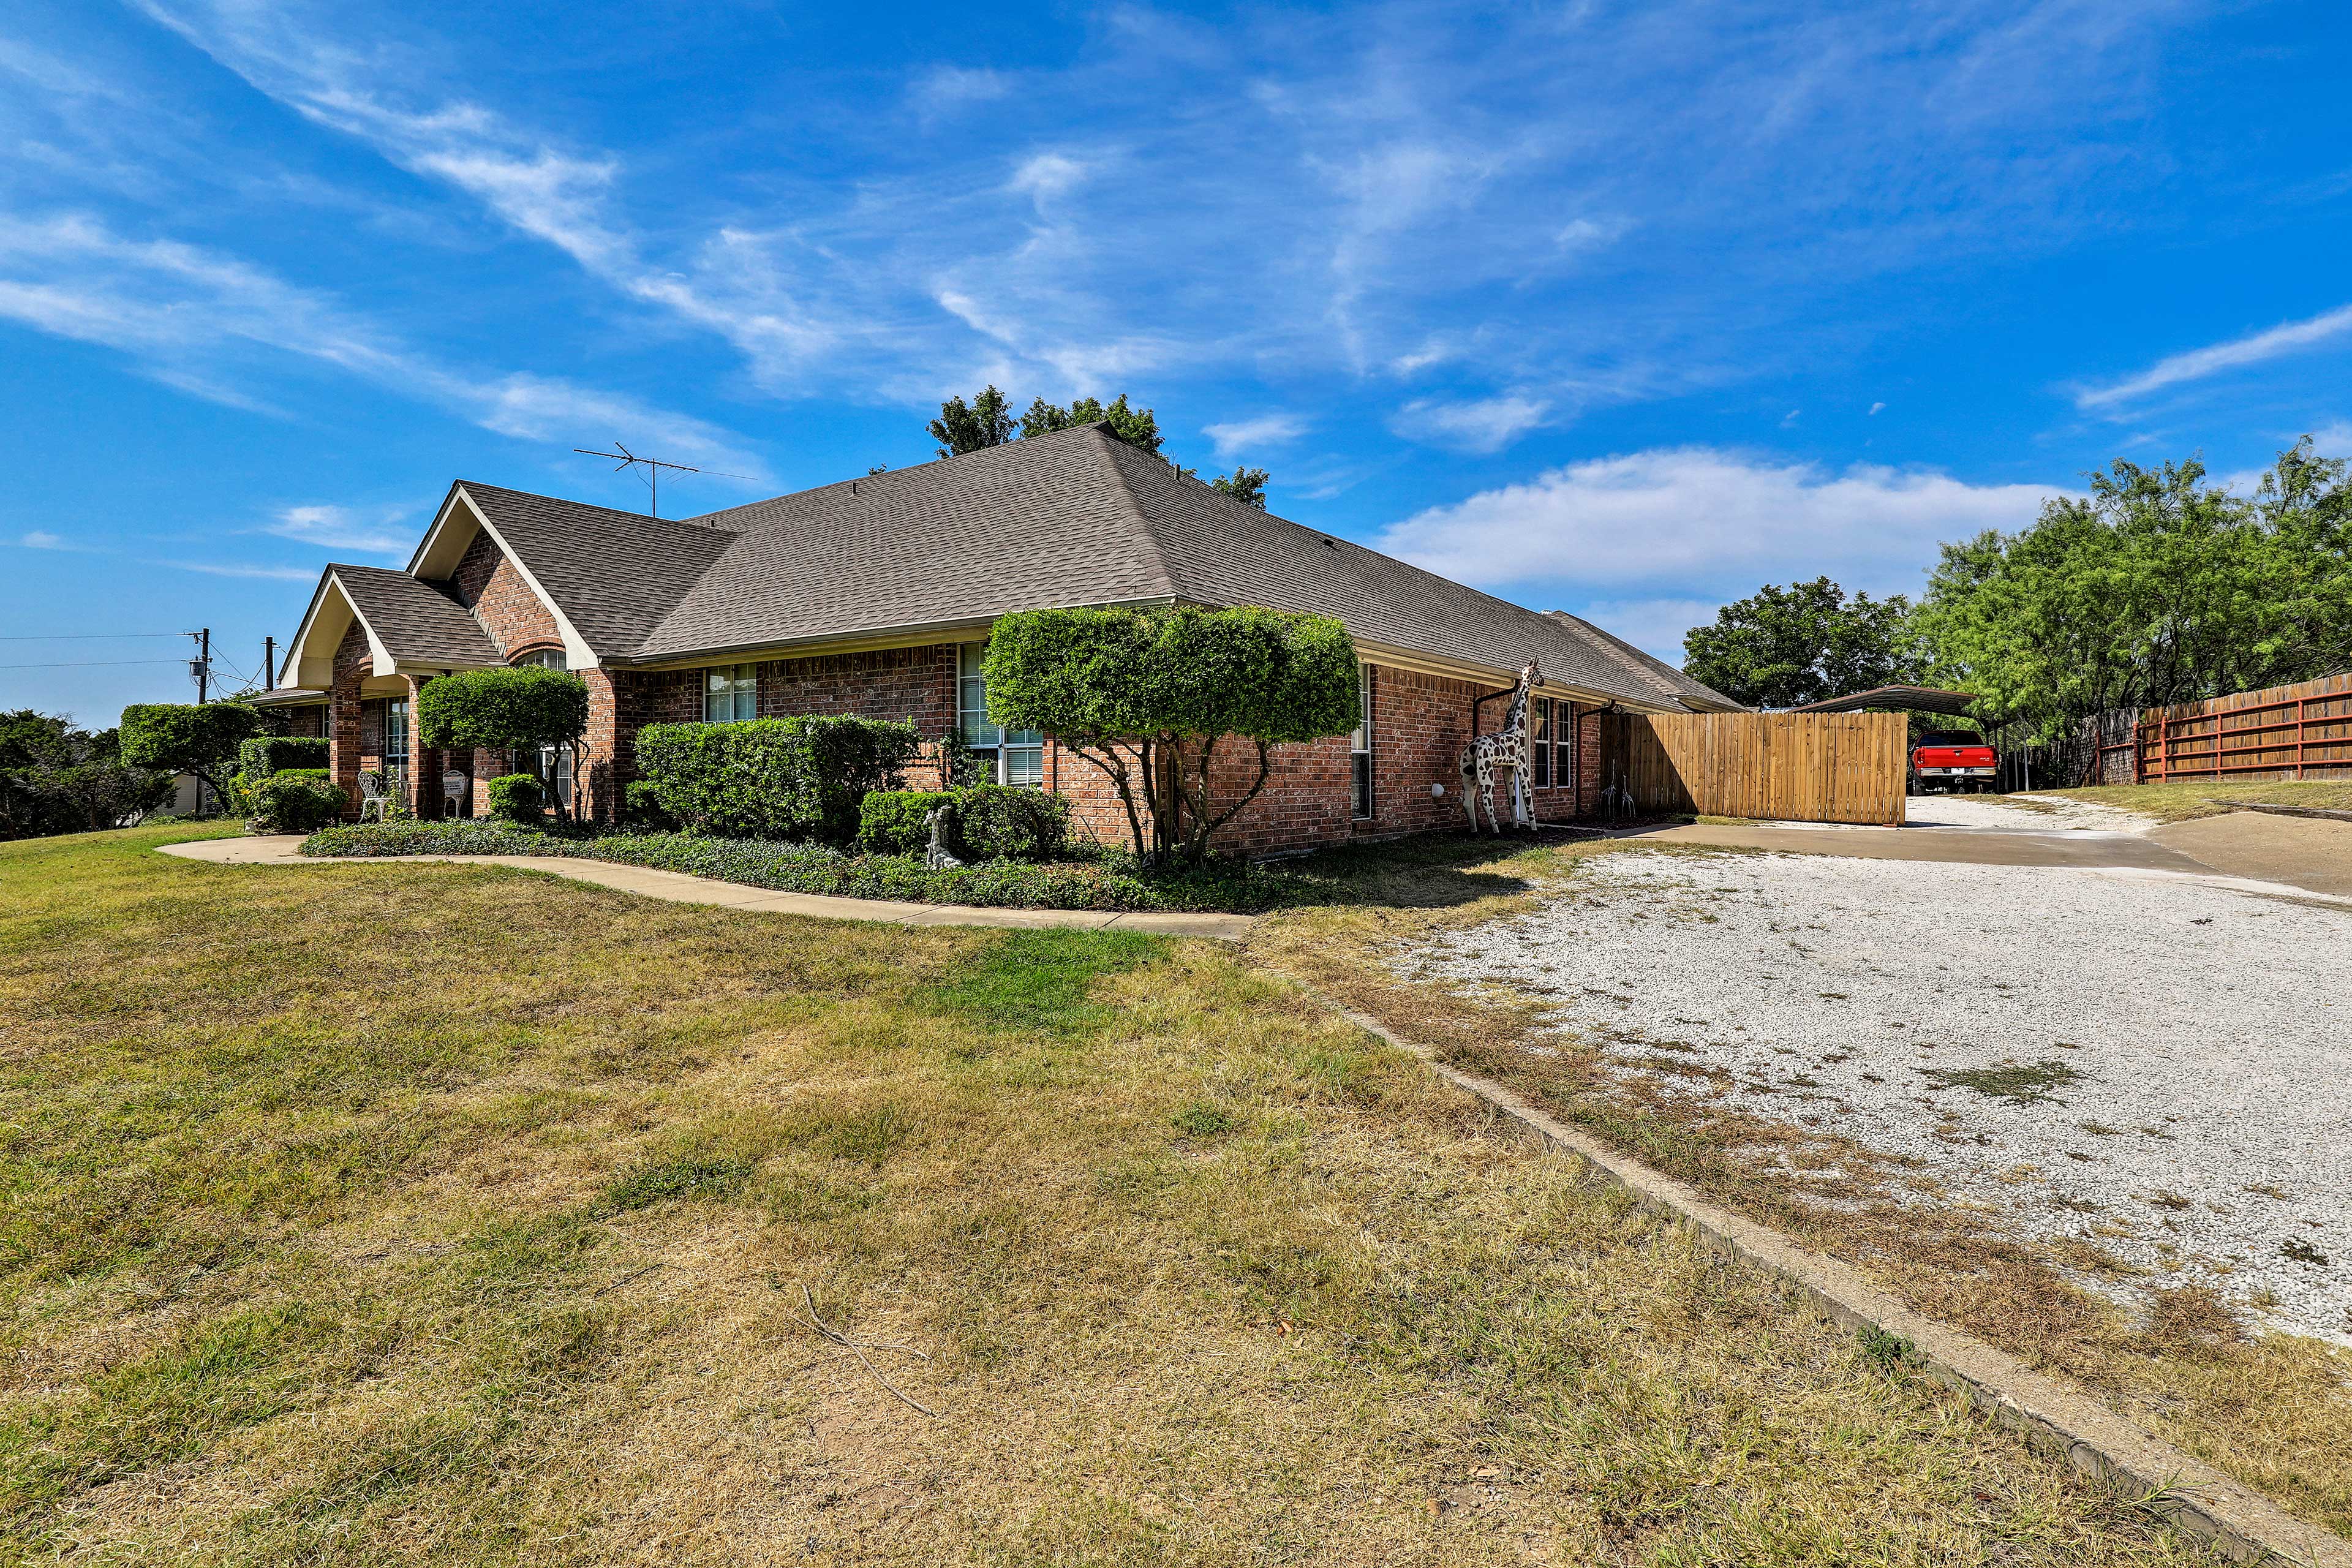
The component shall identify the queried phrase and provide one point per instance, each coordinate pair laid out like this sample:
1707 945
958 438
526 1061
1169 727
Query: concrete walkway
678 888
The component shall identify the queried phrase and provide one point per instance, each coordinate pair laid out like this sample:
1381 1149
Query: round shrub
898 821
297 801
517 797
1000 822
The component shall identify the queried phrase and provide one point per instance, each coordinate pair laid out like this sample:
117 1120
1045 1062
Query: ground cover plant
2181 800
364 1216
1106 882
2275 1410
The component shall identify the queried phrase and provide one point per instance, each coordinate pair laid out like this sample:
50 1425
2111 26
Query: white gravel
2008 814
2208 1136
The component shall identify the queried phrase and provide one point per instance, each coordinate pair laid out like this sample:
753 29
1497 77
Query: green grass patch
2027 1085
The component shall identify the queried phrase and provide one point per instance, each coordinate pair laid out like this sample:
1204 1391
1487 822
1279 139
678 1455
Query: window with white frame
1016 756
1359 744
544 658
1540 742
730 692
396 740
1564 742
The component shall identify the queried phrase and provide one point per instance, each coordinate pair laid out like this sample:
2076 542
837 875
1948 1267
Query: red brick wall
487 582
353 661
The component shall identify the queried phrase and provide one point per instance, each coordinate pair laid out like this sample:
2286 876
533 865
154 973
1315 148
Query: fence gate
1788 767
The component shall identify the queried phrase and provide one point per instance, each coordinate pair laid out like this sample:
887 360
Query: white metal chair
376 793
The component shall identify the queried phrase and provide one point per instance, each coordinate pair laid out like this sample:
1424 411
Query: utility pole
201 666
268 663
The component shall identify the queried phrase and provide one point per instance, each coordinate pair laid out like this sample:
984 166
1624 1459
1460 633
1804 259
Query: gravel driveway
2160 1066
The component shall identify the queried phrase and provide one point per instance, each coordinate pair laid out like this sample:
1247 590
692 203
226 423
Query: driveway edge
2190 1493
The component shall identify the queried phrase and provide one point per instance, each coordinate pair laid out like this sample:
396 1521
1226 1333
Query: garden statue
1509 750
939 856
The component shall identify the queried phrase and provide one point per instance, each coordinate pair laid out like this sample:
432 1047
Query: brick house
874 595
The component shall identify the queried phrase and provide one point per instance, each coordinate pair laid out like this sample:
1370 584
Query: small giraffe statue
1508 749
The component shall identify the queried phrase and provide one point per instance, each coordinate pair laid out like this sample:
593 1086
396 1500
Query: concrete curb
2319 811
2190 1493
679 887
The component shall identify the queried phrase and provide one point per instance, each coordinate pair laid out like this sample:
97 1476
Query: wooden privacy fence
1791 767
2302 731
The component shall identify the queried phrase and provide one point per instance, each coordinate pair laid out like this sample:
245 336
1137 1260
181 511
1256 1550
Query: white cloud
228 569
1046 176
36 540
1877 407
1236 437
2198 364
1484 424
343 528
1656 627
1680 517
195 318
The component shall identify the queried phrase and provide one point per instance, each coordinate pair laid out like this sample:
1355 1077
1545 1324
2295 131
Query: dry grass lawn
2181 800
2275 1411
413 1214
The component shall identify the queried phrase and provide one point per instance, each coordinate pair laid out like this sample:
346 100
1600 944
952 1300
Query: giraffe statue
1508 749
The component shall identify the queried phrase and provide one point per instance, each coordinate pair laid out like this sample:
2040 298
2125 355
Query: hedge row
772 778
983 822
820 869
266 756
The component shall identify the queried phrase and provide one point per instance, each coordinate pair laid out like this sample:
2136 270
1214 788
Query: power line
84 637
92 663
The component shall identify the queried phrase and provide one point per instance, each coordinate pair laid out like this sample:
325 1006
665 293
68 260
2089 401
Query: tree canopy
1147 695
55 778
199 738
987 421
1781 647
2158 587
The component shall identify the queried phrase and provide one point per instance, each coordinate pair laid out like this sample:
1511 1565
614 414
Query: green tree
199 738
1782 648
521 708
1136 426
2156 587
55 778
1244 484
1149 697
985 421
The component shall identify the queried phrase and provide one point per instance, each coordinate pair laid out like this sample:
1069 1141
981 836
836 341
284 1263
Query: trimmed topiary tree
1148 696
517 797
519 709
199 738
773 778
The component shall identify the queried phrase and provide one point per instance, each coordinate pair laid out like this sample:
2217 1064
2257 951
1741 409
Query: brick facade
1420 725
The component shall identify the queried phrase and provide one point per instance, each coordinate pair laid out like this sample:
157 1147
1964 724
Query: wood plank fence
2299 731
1788 767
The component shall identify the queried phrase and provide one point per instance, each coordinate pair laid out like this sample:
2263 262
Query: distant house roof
1075 518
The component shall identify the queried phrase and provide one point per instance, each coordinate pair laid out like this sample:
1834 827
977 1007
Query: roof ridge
1129 505
613 511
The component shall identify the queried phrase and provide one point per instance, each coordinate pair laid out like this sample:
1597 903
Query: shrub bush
264 757
297 801
517 797
773 778
319 774
896 821
516 708
1000 822
640 806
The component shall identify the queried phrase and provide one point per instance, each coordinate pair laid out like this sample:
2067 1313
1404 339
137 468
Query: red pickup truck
1954 762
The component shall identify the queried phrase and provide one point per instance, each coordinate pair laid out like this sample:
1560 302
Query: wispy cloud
197 320
38 540
1480 425
2196 365
1237 437
235 569
369 531
1682 516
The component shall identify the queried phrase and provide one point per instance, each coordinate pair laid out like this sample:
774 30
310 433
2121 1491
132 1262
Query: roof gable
407 623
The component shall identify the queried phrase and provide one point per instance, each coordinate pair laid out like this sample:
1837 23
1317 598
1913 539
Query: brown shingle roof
414 620
1078 517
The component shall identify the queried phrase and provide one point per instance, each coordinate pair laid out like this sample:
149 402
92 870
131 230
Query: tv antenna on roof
653 466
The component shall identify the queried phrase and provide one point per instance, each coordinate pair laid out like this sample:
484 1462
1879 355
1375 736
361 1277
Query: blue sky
1624 309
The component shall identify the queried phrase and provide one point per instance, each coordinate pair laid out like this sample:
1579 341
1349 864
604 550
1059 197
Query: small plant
999 822
2016 1085
517 797
297 803
678 1178
2301 1251
641 807
1890 1354
1199 1118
